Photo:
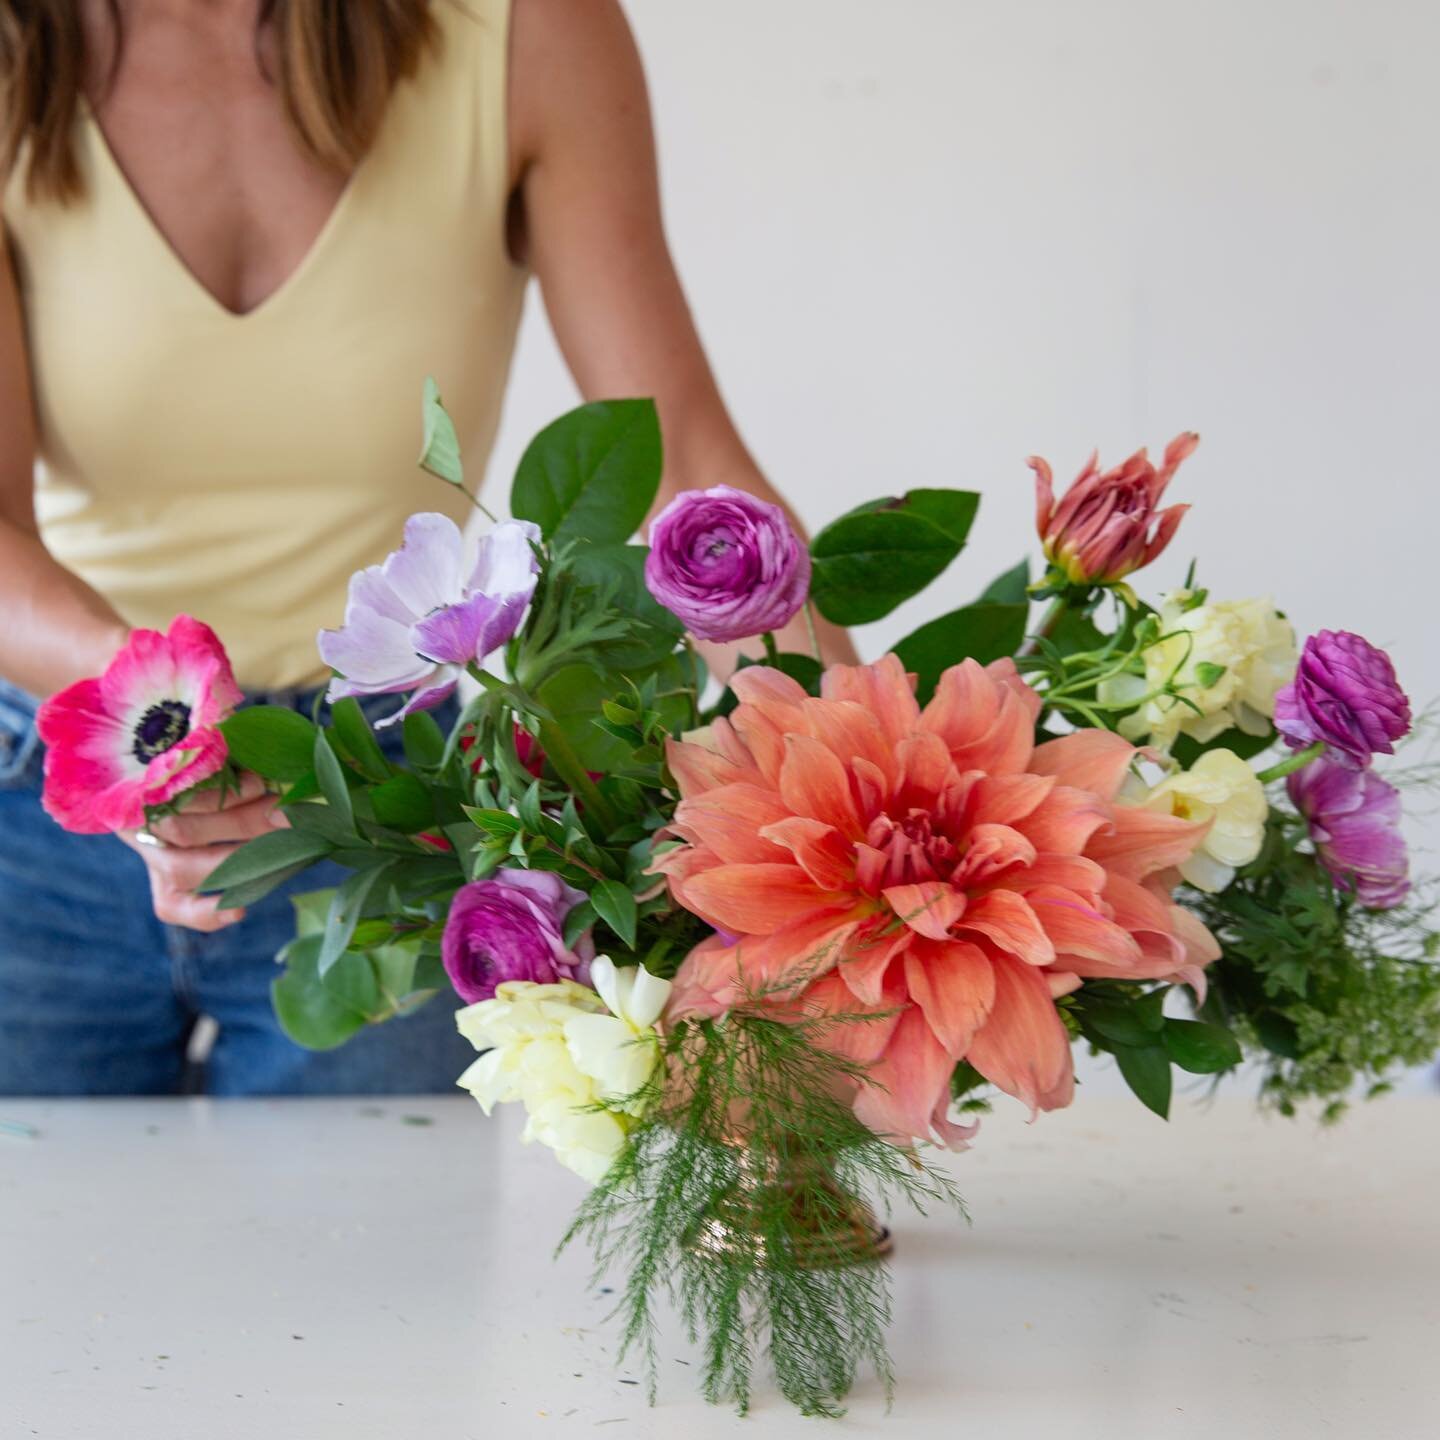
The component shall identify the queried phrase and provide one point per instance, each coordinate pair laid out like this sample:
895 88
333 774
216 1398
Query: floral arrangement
748 953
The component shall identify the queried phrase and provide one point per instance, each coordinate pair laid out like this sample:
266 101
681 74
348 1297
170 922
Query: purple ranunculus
1346 694
416 621
1354 819
510 927
729 565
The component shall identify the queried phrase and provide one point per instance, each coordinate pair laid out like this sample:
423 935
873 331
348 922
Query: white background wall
926 238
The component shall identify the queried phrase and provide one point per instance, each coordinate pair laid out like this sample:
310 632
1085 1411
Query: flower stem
813 633
772 650
1291 763
562 756
1055 612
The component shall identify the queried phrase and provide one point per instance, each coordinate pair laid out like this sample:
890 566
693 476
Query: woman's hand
211 829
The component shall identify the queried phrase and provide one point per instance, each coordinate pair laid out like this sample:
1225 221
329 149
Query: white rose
1222 790
1247 642
557 1050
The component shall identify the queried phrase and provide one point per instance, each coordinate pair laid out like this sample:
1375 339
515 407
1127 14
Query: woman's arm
57 629
587 218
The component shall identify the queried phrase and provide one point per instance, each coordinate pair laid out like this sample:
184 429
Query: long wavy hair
337 62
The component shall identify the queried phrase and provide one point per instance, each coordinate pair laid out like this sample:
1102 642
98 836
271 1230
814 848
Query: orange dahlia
935 869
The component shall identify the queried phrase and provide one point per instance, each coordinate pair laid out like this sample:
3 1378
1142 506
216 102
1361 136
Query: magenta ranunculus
1345 693
729 565
142 733
1354 819
510 927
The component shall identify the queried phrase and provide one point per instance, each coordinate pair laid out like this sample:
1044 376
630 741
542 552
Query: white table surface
299 1270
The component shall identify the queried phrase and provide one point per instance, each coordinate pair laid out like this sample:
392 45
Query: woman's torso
239 467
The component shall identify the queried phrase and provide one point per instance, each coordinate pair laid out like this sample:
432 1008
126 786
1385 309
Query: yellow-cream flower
565 1057
1227 659
1222 790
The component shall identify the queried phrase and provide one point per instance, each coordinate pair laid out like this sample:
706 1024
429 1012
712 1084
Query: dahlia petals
732 820
884 689
814 783
819 849
1139 842
906 1083
929 909
954 985
759 899
1077 929
1023 1047
1008 922
1093 760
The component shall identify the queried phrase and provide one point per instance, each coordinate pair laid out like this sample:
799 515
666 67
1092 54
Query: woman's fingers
209 829
237 822
175 872
194 912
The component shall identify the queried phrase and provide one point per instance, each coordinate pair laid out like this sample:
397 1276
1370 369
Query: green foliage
275 743
614 576
1330 997
1124 1019
593 474
440 447
1011 588
254 870
320 1010
804 1164
869 561
355 740
333 785
423 740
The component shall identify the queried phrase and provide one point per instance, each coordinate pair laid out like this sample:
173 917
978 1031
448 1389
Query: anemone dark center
162 727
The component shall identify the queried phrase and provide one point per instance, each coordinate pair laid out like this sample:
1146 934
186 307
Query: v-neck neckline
175 261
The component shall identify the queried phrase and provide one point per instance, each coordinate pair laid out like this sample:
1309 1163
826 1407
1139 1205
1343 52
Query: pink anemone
141 733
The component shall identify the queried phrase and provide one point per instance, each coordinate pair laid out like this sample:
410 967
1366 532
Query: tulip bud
1106 526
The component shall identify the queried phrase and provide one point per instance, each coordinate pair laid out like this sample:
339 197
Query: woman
241 234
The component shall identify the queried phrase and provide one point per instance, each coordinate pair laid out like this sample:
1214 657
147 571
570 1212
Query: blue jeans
98 997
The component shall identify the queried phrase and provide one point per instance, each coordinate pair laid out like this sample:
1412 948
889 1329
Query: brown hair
338 61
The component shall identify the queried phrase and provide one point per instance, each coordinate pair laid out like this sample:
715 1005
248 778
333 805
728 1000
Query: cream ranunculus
1243 647
557 1050
1221 789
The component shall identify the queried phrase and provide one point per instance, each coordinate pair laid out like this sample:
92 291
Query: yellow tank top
239 468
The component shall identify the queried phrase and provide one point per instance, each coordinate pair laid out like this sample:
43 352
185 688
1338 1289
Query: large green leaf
867 563
1146 1069
276 743
1200 1048
593 474
403 803
985 631
265 856
333 785
573 695
357 741
423 739
615 905
309 1013
1011 588
346 907
951 511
